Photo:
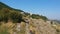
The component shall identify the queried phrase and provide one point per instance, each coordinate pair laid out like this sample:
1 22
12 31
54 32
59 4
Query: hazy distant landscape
17 21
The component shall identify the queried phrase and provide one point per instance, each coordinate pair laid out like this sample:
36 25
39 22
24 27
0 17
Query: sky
48 8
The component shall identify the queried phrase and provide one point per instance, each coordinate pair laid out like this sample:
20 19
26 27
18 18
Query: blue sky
48 8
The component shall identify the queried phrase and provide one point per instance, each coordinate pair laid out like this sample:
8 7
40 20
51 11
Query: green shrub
36 16
16 17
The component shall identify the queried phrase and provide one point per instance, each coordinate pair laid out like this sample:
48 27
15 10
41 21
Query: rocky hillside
14 21
38 26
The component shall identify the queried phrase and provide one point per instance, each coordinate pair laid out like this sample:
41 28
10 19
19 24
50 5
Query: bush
6 15
5 19
16 17
36 16
1 18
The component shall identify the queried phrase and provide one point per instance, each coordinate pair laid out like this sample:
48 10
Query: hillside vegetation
15 21
8 13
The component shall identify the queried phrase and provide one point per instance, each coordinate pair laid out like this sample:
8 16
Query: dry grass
37 27
7 26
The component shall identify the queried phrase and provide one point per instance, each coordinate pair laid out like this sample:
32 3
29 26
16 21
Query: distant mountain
57 21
